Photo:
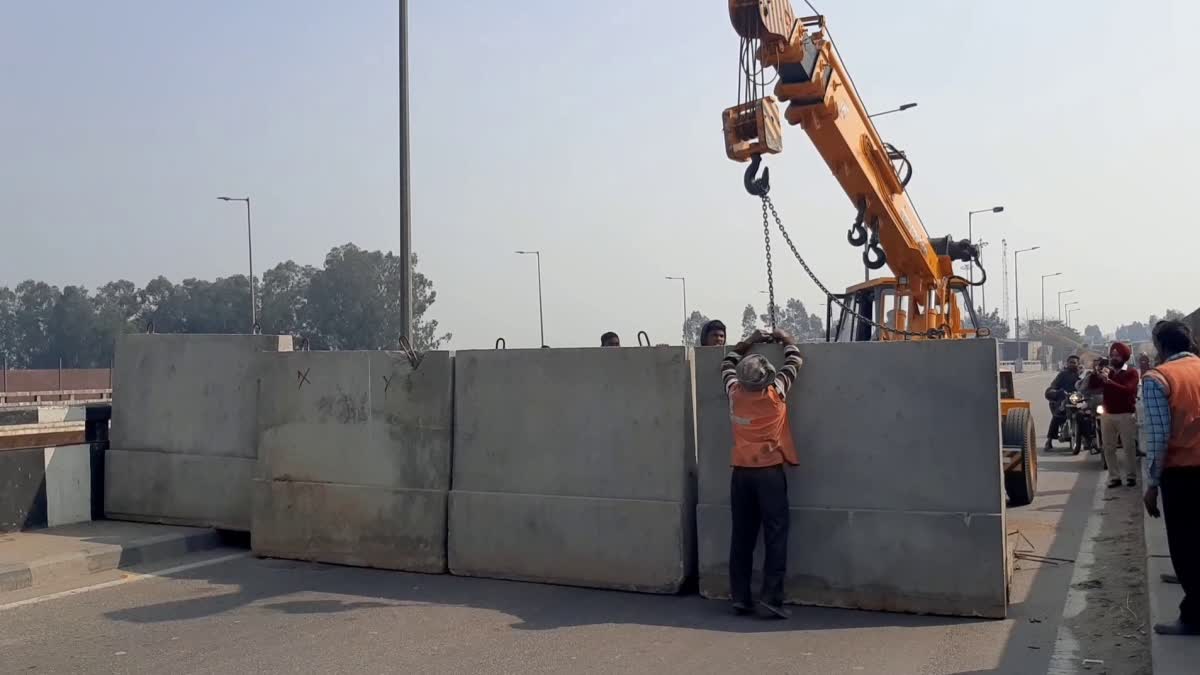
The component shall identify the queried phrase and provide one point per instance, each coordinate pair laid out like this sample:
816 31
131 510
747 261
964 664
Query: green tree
284 297
116 306
8 327
73 340
1093 335
691 328
993 321
749 320
35 306
795 319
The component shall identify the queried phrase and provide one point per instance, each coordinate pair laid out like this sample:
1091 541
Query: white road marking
1066 657
123 580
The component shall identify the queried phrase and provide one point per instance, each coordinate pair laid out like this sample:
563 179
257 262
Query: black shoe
1049 446
742 608
1177 628
1131 482
1169 578
775 611
1116 482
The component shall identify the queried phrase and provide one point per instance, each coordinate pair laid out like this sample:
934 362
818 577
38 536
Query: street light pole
683 329
1044 278
1017 283
1060 305
541 316
1070 309
250 252
405 206
971 238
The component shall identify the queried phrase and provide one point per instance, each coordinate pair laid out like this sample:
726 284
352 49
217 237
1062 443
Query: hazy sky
590 131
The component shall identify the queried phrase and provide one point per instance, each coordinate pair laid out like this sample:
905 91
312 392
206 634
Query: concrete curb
1169 655
104 557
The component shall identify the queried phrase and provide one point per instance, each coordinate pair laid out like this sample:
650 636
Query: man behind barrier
762 444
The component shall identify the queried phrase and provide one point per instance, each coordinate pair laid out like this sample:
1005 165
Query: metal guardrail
21 398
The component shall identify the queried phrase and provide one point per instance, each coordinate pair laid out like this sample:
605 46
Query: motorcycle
1081 428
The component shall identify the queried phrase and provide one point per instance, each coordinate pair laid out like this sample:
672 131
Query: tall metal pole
541 316
1044 278
1060 305
405 213
250 254
1017 284
971 238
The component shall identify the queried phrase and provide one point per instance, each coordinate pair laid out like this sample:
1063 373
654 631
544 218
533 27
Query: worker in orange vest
1171 397
762 445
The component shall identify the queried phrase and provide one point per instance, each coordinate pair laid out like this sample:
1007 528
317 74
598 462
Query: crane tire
1018 430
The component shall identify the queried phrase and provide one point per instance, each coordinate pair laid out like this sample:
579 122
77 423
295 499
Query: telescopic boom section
821 98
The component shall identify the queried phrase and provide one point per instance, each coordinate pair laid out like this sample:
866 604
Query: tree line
791 317
350 302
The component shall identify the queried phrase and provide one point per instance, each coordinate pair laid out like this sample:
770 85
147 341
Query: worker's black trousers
759 499
1181 511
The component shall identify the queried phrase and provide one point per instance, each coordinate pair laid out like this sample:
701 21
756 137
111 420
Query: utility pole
1060 305
1004 267
971 238
1017 284
1044 278
405 204
541 316
250 251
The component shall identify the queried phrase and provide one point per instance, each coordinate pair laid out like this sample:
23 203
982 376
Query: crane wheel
1018 431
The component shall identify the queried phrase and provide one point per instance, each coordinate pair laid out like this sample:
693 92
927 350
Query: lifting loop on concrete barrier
302 344
414 359
150 328
643 335
501 343
256 329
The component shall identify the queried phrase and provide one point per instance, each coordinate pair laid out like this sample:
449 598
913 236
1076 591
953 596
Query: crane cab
882 301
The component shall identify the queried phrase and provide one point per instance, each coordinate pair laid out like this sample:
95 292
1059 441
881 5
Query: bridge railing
23 398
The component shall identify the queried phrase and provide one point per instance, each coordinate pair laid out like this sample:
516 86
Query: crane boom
821 99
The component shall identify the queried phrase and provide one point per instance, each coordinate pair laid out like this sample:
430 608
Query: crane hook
857 236
873 256
758 187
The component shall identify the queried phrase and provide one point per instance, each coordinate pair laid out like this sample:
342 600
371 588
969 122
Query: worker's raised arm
791 362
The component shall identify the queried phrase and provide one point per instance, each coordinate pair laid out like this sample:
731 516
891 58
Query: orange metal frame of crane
822 99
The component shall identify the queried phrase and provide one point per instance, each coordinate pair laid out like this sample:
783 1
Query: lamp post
1044 278
683 329
1070 309
902 108
405 212
971 238
541 316
1017 283
1060 305
250 252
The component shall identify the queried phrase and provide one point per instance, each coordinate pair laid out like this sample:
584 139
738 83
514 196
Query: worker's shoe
1049 445
1177 628
1131 482
742 608
775 610
1169 578
1116 482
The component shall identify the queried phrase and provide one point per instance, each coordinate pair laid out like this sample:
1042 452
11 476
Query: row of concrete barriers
604 468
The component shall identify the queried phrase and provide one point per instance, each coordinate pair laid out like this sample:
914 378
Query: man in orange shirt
762 445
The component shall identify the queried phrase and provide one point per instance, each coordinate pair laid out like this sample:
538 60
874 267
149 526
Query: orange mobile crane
925 299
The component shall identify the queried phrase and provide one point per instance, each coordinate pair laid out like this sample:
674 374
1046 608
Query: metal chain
768 205
770 269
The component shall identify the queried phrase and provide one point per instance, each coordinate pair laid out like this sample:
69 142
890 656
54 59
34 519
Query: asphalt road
250 615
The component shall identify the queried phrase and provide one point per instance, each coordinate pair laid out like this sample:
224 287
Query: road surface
225 611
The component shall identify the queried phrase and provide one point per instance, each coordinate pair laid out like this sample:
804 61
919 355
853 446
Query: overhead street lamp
1060 305
1068 307
1044 278
541 316
971 238
250 251
683 329
1017 283
902 108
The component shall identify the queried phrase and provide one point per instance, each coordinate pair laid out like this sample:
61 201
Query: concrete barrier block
565 462
627 544
358 525
177 489
354 459
68 484
899 483
188 394
876 425
925 563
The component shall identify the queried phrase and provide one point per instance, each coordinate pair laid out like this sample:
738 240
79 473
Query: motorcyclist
1065 382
